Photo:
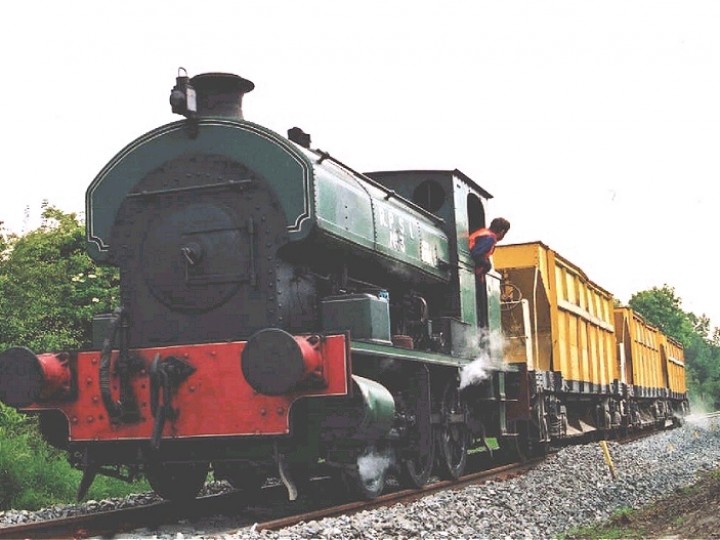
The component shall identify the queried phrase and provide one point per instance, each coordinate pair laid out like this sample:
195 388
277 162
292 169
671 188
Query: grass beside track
690 512
34 475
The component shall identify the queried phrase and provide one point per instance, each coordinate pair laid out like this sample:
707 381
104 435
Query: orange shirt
479 233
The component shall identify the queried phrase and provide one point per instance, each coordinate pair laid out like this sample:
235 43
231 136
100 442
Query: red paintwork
312 357
215 401
56 375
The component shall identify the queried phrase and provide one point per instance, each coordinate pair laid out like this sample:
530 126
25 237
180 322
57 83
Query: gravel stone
571 488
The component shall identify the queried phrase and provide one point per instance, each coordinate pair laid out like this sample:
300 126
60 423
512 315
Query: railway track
703 415
402 496
268 510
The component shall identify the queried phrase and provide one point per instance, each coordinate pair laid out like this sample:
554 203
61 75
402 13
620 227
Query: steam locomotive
281 312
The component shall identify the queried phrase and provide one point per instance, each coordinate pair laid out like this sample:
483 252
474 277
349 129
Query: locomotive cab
461 204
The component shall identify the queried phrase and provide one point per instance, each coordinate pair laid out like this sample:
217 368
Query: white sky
596 125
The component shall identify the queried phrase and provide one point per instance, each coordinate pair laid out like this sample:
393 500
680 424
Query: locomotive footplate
216 400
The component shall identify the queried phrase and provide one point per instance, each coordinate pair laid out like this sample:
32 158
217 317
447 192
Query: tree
3 239
50 288
661 308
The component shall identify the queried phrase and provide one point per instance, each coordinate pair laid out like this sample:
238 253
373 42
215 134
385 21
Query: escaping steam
373 464
699 418
488 357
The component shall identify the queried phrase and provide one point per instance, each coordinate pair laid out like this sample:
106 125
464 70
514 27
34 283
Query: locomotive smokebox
220 94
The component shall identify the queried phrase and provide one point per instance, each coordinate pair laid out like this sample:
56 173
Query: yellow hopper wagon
560 330
653 368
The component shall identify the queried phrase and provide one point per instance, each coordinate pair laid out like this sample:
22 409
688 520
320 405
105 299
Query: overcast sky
596 125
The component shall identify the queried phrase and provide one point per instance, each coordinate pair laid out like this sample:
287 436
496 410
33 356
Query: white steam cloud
488 357
373 464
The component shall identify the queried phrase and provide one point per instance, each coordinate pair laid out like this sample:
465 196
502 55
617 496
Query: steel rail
165 512
402 496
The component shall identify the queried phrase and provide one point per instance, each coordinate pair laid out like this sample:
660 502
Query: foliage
34 475
4 240
661 307
12 422
50 288
49 291
618 526
682 513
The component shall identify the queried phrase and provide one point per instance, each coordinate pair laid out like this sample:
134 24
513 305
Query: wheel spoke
454 436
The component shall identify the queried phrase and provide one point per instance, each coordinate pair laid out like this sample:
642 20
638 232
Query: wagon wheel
367 478
177 481
419 456
540 440
453 434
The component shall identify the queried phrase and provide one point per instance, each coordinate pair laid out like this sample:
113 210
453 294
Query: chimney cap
220 83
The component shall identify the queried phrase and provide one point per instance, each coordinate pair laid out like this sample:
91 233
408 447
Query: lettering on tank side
399 227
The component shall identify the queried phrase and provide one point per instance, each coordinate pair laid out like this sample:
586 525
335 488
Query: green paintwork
468 299
493 288
386 351
352 207
466 266
365 316
379 409
264 152
502 398
344 205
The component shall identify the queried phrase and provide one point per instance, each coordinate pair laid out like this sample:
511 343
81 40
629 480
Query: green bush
49 291
32 474
35 475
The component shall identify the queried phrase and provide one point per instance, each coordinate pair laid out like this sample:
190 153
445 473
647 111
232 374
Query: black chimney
220 94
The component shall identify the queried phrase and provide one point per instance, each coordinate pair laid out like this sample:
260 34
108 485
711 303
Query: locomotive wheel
177 481
250 481
416 470
453 434
419 458
246 479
